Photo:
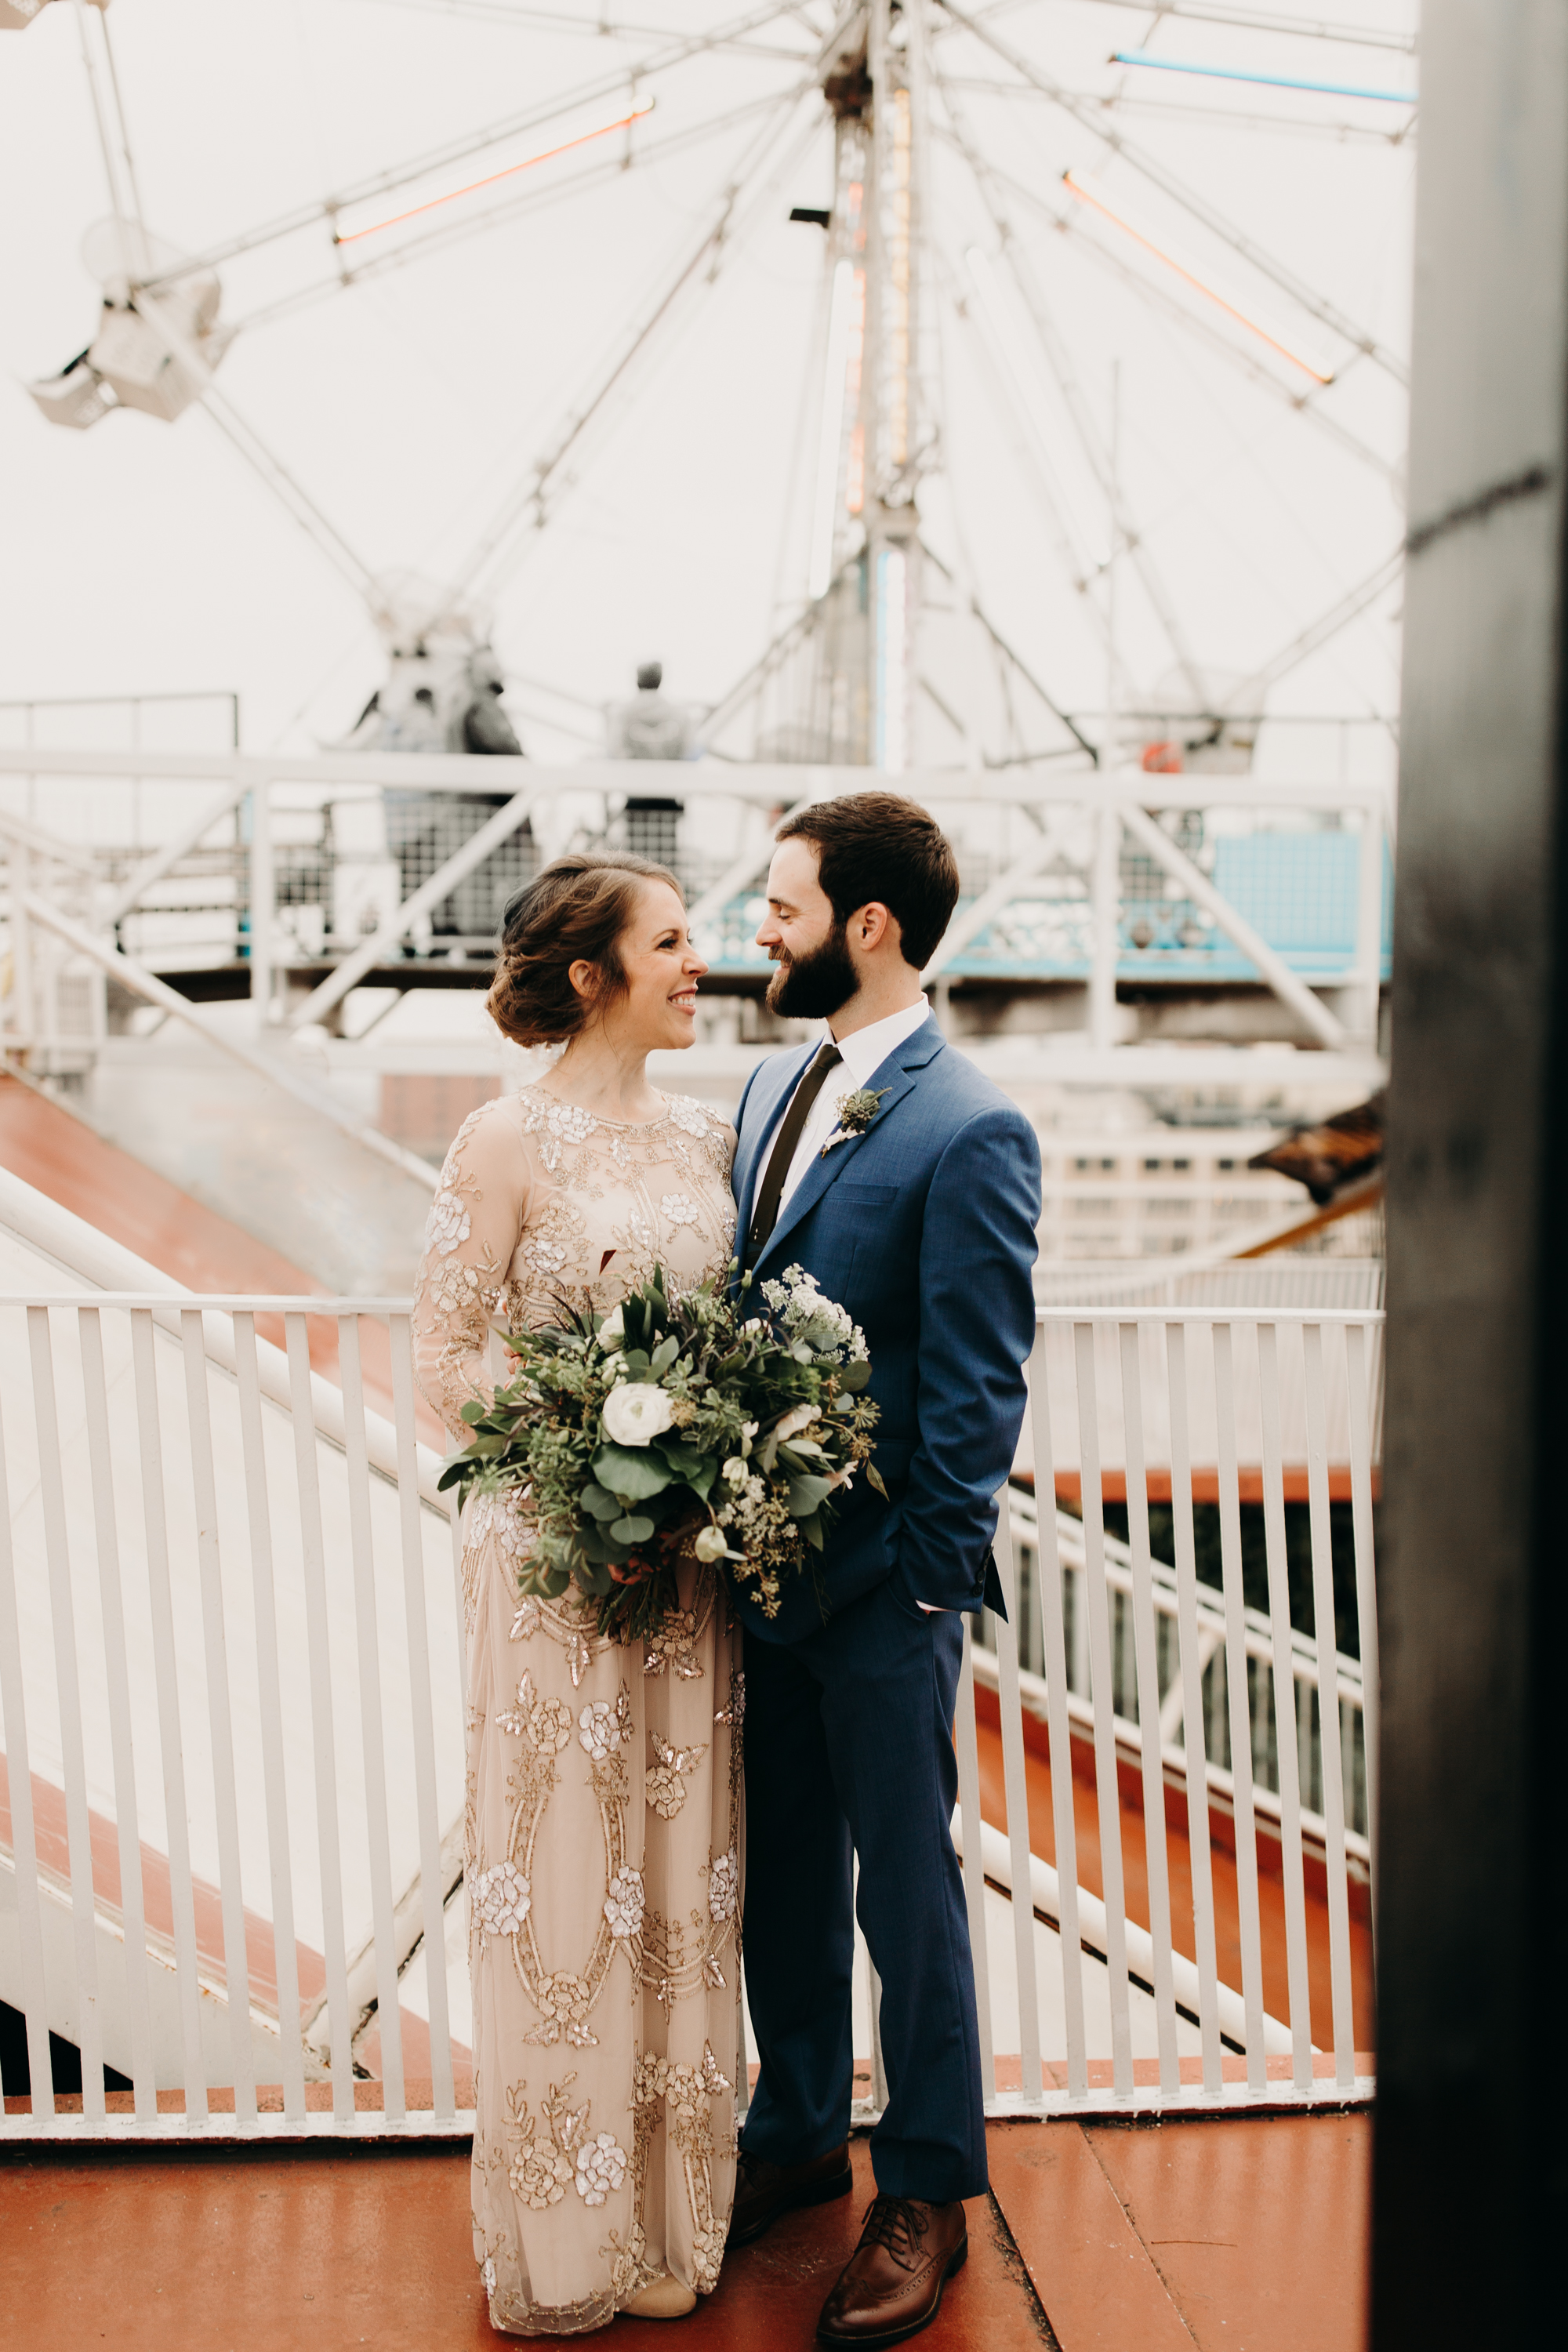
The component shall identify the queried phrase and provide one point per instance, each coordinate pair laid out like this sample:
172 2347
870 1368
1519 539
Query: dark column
1469 2195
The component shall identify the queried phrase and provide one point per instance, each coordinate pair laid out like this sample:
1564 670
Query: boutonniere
856 1113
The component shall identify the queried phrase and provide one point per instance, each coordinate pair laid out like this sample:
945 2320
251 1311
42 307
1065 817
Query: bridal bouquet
674 1426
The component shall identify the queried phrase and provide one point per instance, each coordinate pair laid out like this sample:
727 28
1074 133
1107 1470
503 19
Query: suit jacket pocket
867 1196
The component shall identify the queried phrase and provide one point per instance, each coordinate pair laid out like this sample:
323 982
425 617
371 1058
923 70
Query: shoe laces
899 2223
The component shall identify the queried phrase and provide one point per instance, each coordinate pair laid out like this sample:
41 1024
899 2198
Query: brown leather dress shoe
764 2191
892 2287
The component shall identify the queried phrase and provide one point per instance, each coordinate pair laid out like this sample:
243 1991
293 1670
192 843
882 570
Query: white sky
144 557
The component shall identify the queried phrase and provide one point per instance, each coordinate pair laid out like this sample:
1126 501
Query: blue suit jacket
924 1228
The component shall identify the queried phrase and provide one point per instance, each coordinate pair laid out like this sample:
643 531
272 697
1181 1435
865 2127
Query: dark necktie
764 1216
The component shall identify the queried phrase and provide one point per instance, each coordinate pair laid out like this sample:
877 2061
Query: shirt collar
865 1052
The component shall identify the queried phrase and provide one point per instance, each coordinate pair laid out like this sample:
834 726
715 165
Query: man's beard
813 987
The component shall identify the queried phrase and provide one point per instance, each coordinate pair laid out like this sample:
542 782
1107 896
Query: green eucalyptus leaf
811 1529
633 1529
874 1478
598 1503
853 1378
663 1355
806 1494
473 1412
632 1473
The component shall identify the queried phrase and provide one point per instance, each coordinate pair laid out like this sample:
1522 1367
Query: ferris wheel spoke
327 210
1079 566
1007 651
1085 114
753 681
599 173
1058 359
1307 404
527 511
596 28
290 494
960 576
1182 111
1248 20
1248 698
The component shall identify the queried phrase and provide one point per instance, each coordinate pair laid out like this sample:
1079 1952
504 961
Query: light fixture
601 131
1270 81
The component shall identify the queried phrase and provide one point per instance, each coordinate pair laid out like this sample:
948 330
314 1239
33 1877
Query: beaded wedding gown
603 1783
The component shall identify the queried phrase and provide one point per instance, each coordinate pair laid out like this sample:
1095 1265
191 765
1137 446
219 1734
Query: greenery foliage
674 1427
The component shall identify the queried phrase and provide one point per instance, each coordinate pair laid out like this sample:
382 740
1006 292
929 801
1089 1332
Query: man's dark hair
879 846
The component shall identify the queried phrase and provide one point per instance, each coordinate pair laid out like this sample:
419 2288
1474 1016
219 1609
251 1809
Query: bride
603 1782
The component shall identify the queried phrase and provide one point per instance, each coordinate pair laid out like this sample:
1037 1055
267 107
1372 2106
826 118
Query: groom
922 1224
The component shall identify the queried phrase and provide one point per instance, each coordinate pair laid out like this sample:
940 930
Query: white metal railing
232 1700
1185 1686
232 1694
1257 1648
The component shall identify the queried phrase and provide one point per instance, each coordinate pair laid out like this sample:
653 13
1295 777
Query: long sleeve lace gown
603 1805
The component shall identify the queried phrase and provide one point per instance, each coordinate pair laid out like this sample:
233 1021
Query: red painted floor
1240 2236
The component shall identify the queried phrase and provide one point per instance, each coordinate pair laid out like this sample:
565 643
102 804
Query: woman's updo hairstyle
574 912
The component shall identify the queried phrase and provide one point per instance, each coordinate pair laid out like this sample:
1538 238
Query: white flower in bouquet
637 1412
793 1423
613 1329
735 1471
818 1326
710 1544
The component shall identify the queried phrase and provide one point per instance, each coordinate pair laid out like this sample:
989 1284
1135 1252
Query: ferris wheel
1015 190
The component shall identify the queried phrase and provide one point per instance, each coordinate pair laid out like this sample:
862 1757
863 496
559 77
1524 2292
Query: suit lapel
899 1074
771 1089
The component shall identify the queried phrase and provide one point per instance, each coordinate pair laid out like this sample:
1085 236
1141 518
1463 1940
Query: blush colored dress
603 1782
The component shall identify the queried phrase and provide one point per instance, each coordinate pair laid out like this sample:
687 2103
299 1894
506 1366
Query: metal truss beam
765 783
441 884
1287 986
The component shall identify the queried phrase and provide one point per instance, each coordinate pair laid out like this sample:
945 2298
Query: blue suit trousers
849 1752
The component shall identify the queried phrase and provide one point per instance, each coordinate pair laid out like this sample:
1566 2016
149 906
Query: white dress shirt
864 1053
